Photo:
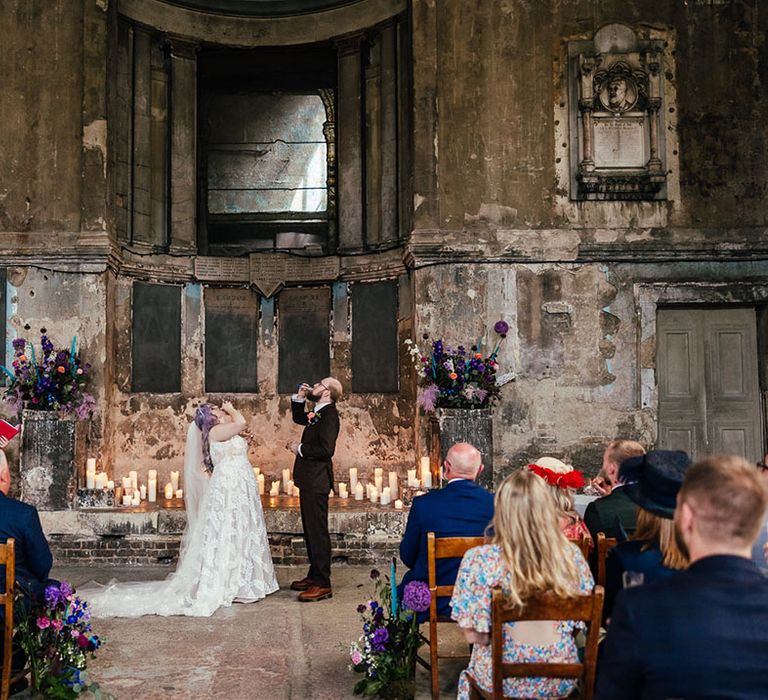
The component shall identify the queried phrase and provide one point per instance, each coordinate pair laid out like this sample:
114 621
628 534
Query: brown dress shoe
315 593
302 584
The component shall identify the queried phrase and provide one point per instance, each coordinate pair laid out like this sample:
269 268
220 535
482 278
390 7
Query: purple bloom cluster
54 382
416 596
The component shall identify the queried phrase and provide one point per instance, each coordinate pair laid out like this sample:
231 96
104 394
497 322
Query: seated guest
615 513
702 633
563 480
760 548
21 521
652 482
460 509
529 554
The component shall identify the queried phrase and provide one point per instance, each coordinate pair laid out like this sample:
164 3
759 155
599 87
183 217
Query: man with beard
313 474
701 633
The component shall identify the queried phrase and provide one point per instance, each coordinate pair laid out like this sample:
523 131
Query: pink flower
357 657
75 634
56 624
311 415
43 622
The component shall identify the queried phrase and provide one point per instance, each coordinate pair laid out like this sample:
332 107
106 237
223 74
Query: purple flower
66 589
428 397
416 596
379 639
501 327
361 608
19 343
53 596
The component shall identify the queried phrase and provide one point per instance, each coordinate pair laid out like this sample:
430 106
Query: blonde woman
563 480
528 554
652 482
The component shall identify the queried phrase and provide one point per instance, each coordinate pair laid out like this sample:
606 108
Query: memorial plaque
210 269
156 338
374 337
269 272
304 340
619 143
231 340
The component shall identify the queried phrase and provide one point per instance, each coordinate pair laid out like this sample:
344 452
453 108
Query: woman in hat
563 480
652 482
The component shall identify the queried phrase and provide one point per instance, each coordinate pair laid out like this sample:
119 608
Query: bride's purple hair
205 419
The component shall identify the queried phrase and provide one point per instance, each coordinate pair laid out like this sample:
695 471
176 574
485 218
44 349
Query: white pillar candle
378 471
260 480
127 500
175 481
134 476
152 490
90 464
289 488
359 492
374 495
378 480
143 492
411 476
126 483
393 485
179 493
343 490
368 488
426 473
152 474
386 496
110 485
136 498
101 480
296 491
274 490
169 491
398 504
286 479
353 479
90 480
256 471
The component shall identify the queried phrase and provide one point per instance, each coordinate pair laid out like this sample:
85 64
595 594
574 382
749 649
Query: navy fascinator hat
652 480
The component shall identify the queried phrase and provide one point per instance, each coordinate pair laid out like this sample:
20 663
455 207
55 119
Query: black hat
652 480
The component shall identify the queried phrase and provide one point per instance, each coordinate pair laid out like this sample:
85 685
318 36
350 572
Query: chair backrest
604 545
547 606
583 544
445 548
8 559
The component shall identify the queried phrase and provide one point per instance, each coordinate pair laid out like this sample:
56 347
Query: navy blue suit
700 633
33 556
461 509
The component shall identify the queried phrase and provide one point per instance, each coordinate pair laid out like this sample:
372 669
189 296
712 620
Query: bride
224 555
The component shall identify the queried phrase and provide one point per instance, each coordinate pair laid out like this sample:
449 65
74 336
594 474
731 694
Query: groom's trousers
314 520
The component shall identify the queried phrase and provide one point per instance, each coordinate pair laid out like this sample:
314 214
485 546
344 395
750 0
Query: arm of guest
36 549
323 450
297 410
620 677
594 525
409 546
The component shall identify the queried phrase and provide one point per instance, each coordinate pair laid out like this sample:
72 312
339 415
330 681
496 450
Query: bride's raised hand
228 407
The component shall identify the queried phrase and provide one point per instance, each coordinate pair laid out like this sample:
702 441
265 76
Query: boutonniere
313 418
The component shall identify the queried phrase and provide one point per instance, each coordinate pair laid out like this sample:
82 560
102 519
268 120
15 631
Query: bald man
460 509
313 474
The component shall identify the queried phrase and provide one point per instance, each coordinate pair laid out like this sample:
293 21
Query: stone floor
275 649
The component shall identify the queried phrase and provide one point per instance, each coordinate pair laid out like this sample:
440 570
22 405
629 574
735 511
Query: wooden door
709 398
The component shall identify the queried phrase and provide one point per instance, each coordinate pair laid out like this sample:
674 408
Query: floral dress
481 569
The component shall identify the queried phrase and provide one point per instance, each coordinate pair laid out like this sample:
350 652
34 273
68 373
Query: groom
313 474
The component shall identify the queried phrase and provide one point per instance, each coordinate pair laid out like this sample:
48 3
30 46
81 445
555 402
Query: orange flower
478 356
22 358
453 375
60 369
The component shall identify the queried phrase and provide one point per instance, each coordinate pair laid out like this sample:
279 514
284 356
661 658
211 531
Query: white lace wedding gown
224 555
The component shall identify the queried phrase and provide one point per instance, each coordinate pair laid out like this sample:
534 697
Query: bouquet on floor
55 381
57 637
459 377
386 651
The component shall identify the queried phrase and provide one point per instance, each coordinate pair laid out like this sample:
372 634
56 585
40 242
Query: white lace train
224 556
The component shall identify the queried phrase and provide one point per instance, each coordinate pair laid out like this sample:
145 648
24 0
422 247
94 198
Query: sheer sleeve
471 601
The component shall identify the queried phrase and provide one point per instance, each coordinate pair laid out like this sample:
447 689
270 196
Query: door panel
708 383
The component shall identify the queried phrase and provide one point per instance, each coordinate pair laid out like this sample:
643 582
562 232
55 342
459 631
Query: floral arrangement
386 651
58 640
457 377
55 382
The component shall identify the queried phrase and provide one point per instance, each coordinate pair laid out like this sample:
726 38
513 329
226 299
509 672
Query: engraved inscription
619 143
209 269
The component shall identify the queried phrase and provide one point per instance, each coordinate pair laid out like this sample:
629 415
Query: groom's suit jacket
313 468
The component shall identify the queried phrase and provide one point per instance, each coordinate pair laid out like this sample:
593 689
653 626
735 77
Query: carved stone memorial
615 113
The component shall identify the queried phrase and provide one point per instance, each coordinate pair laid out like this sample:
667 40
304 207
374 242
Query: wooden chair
587 608
441 548
7 558
604 545
583 544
